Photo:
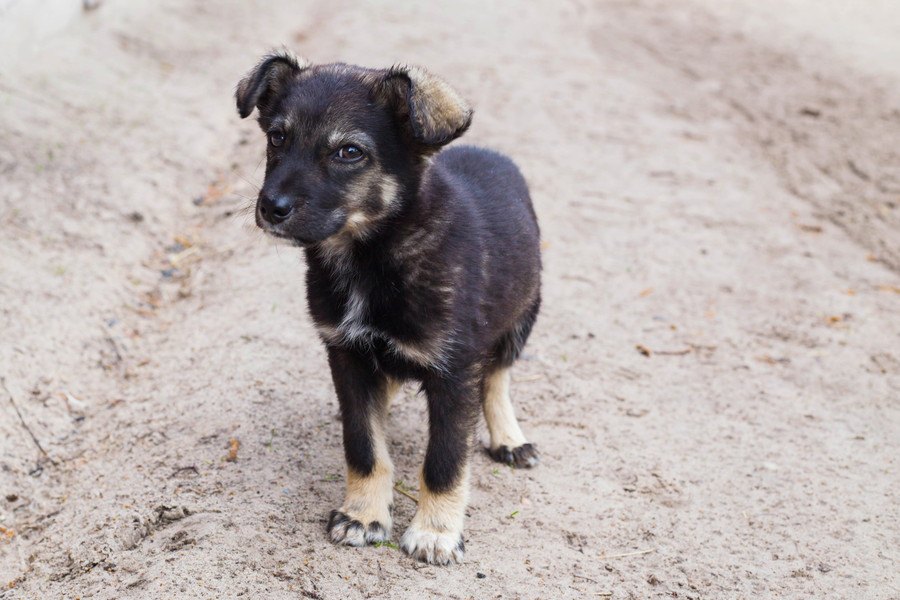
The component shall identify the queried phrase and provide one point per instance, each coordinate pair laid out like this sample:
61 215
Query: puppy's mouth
278 231
296 241
299 242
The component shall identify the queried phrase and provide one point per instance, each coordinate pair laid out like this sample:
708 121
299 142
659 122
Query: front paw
433 547
343 529
522 457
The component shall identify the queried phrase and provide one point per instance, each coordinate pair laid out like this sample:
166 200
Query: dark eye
276 138
348 154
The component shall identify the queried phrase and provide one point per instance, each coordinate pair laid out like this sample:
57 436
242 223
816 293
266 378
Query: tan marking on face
498 411
285 123
349 135
390 190
359 222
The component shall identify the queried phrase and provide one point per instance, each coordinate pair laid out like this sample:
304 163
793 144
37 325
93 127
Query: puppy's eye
276 138
348 154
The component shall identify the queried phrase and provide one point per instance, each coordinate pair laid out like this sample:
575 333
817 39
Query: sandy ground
713 382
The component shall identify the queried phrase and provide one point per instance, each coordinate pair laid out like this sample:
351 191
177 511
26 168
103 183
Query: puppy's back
496 197
490 176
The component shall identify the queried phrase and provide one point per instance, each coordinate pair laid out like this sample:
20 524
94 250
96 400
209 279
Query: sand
713 381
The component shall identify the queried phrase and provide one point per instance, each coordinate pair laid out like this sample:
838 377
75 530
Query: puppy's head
345 144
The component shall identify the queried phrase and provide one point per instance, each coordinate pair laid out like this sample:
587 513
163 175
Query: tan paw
433 547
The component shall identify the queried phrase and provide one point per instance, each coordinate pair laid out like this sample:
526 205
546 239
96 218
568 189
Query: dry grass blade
15 406
405 493
673 352
624 554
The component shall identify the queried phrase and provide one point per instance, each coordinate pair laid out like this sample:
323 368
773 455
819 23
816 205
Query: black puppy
421 266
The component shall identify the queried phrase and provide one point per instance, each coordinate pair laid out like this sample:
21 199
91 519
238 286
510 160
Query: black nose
275 210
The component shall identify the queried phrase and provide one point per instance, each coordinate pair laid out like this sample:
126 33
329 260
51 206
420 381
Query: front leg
364 395
435 534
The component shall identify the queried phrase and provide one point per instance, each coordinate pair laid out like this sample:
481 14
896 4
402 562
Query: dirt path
713 382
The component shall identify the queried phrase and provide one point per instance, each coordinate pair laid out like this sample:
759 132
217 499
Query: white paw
345 530
433 547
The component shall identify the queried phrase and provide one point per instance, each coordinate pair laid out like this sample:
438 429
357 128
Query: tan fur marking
439 110
445 511
328 333
357 221
349 136
499 413
413 353
369 497
390 188
436 529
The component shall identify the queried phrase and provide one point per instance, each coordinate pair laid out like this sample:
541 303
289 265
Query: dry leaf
233 446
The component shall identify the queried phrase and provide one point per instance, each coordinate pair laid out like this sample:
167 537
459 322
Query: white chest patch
352 326
353 330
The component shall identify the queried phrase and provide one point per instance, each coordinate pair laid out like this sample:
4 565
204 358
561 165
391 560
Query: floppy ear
272 72
436 113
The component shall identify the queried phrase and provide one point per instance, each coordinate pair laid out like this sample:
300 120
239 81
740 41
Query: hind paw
521 457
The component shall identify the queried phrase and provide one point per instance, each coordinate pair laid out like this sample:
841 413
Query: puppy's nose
275 210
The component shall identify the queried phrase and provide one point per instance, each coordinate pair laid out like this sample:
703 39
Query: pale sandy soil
718 186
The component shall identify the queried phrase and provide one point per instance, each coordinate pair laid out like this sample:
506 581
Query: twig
115 347
187 469
37 442
624 554
529 379
673 352
405 493
176 260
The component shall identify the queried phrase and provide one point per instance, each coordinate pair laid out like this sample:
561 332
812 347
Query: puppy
422 265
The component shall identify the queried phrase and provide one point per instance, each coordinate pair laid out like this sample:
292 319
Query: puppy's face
343 142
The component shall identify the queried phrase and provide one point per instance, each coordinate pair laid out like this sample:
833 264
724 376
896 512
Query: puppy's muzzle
275 210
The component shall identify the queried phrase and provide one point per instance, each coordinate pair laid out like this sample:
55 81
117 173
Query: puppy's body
421 266
441 283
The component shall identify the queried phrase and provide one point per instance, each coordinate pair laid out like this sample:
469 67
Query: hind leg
508 443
